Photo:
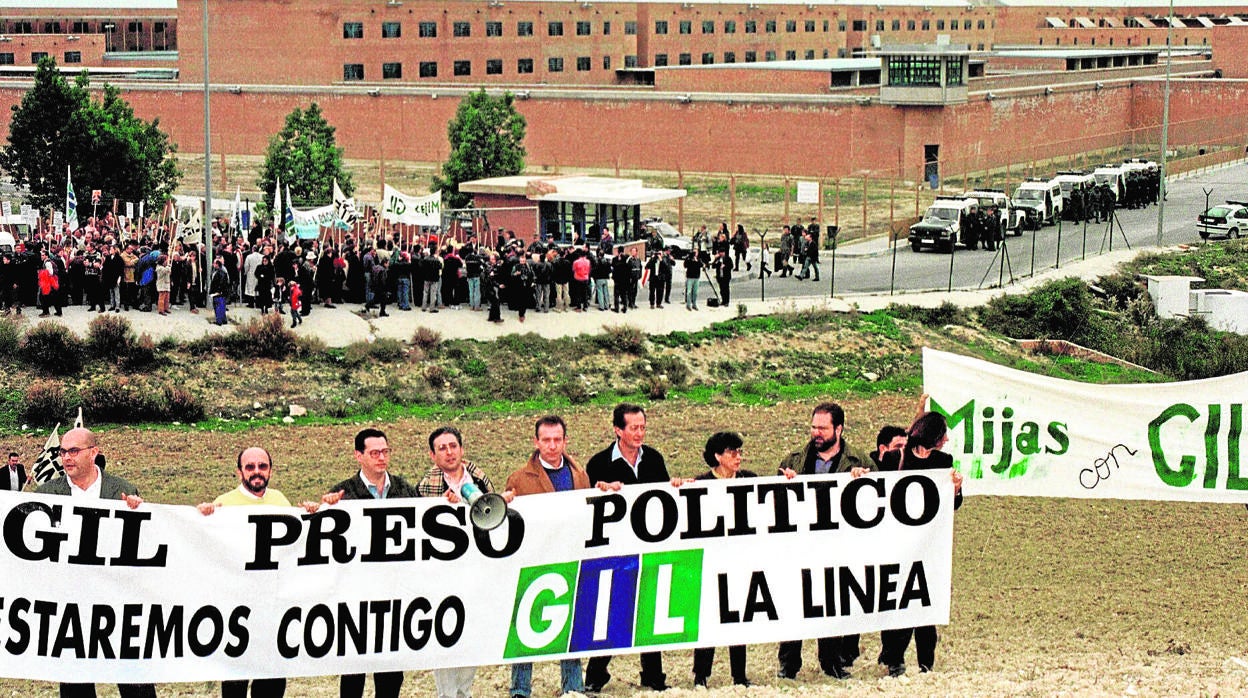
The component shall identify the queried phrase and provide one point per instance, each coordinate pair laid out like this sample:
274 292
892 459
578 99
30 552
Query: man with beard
825 453
255 468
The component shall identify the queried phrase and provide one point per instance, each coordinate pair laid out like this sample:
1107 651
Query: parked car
1041 202
942 223
1011 218
672 238
1229 220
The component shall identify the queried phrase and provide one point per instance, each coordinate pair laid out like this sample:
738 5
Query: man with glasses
255 470
825 453
83 478
374 481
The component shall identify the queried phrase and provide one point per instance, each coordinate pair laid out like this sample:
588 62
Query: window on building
810 54
810 26
927 25
391 71
980 25
825 26
606 63
493 28
524 29
630 28
582 28
23 28
940 25
6 59
953 71
769 26
353 71
769 56
524 66
554 29
751 56
790 25
825 52
462 68
840 26
391 30
660 26
73 56
914 71
686 59
686 27
660 60
708 58
582 63
461 29
81 27
896 25
790 55
428 69
879 25
158 27
730 26
494 66
554 64
860 25
427 30
730 57
353 30
708 26
51 27
751 26
910 25
606 29
135 27
630 61
966 25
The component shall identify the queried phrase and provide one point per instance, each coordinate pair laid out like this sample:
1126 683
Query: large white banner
1016 433
323 216
94 591
397 207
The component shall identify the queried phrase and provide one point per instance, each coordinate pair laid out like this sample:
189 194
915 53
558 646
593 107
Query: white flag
71 201
278 212
344 208
48 465
397 207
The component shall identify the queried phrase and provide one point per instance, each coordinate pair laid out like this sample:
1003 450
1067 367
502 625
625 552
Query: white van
1041 202
1115 177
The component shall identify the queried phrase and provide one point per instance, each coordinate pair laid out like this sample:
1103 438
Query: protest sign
1017 433
95 591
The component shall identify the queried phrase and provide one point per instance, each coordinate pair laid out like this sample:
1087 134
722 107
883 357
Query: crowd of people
113 265
627 460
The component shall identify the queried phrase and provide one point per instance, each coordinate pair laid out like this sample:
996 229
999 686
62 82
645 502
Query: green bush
10 337
622 340
1059 309
944 314
182 406
381 350
109 337
45 403
122 400
266 337
140 355
52 349
474 367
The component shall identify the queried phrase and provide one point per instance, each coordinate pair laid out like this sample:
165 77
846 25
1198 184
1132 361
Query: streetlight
205 235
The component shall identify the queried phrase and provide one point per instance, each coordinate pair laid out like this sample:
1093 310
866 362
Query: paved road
872 267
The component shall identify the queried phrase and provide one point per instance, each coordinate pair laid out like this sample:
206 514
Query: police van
941 224
1041 202
1009 217
1115 177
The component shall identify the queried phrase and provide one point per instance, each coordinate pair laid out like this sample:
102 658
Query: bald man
83 478
255 470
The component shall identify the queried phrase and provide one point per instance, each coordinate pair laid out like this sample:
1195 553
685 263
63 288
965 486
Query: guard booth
564 210
930 74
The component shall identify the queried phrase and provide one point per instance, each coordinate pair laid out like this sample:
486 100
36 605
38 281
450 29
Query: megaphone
486 509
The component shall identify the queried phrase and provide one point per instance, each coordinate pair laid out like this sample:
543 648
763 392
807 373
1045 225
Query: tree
487 140
304 156
57 124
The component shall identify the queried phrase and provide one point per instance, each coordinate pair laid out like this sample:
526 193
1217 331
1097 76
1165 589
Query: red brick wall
90 46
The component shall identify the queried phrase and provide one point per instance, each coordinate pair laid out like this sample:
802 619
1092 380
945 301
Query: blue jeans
404 293
691 293
474 292
600 294
569 677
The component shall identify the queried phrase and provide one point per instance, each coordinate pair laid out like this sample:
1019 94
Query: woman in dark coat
325 277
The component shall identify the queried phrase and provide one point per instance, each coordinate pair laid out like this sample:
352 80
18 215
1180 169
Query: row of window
429 30
36 56
860 25
77 27
352 72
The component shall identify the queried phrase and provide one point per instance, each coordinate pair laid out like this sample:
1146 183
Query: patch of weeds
53 350
944 314
622 340
45 403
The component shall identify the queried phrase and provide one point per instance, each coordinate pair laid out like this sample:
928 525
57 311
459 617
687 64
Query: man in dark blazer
14 476
627 462
373 481
84 477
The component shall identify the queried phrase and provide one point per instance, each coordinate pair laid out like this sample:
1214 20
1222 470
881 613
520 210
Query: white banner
397 207
1016 433
323 216
94 592
807 192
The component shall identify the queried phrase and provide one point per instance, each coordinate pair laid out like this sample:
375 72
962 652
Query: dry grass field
1050 597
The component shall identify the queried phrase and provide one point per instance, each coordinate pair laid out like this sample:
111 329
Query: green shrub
266 337
1059 309
140 355
10 337
1121 289
381 350
474 367
52 349
436 376
944 314
122 400
576 389
45 403
182 406
109 337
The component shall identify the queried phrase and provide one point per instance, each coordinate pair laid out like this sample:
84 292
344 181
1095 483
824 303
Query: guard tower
931 74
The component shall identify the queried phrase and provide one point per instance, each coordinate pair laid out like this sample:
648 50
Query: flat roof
97 5
583 189
1076 52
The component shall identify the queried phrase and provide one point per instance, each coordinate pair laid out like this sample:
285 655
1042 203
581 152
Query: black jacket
652 468
354 488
